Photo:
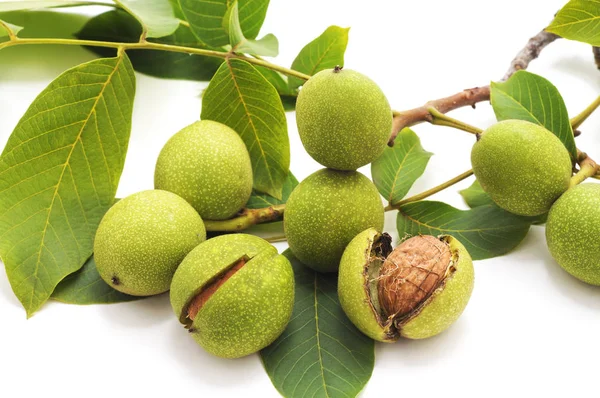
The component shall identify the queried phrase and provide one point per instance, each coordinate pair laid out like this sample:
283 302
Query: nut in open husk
416 290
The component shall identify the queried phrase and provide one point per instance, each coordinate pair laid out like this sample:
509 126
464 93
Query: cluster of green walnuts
235 293
527 171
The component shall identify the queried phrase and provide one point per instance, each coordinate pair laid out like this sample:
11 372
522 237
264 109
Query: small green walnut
324 213
344 119
142 239
572 232
522 166
207 164
416 290
234 294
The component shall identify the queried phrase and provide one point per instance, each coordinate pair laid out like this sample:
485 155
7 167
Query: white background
529 330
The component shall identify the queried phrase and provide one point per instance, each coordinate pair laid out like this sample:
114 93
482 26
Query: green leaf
324 52
267 46
288 95
260 200
59 173
530 97
206 18
578 20
156 16
271 231
320 353
33 5
400 166
177 9
240 97
46 24
7 28
475 196
486 231
118 26
87 287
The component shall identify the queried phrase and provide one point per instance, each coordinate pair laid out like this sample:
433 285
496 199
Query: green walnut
324 213
207 164
416 290
142 239
572 232
522 166
344 119
234 294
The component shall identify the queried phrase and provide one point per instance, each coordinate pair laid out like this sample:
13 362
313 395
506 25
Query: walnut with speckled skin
416 290
207 164
324 213
142 239
234 293
572 232
344 119
522 166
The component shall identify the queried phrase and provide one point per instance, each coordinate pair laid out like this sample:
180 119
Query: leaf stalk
587 168
431 191
146 45
439 119
585 114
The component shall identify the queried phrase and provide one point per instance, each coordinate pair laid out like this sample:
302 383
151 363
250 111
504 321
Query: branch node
471 97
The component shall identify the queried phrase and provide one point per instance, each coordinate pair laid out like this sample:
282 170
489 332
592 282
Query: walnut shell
417 290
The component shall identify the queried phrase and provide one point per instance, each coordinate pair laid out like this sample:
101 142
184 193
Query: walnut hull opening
401 281
207 291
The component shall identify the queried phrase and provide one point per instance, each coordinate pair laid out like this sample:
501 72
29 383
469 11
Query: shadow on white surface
579 292
207 368
424 352
145 313
581 68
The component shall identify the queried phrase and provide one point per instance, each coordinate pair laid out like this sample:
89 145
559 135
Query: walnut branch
530 52
469 97
246 219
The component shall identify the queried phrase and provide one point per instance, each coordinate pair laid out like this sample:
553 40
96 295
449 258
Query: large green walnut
344 119
207 164
142 239
234 294
416 290
522 166
573 231
324 213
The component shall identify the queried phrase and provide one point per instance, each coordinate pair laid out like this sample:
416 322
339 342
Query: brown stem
412 117
246 219
531 51
469 97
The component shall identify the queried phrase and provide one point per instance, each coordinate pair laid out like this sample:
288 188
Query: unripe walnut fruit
416 290
142 239
234 293
207 164
344 119
522 166
324 213
573 231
